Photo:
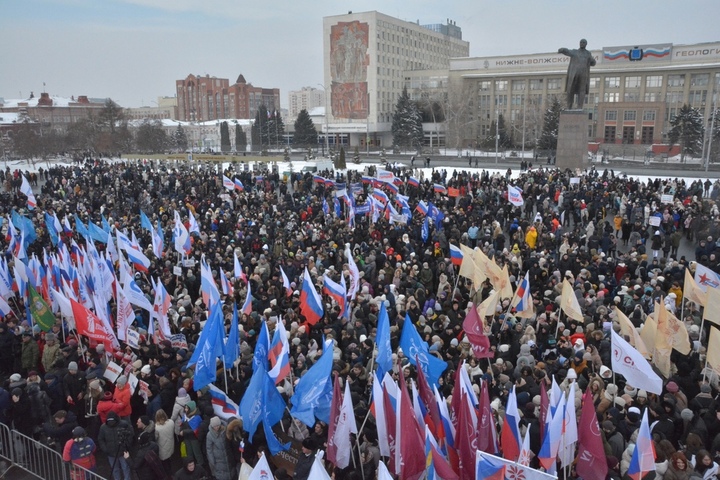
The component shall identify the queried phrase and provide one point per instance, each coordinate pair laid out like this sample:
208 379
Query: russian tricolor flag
239 185
456 255
279 354
422 207
643 458
26 189
367 180
522 300
335 291
311 306
223 407
228 184
318 179
510 440
392 188
437 188
247 306
413 182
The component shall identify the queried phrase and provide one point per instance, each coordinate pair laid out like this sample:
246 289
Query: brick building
200 99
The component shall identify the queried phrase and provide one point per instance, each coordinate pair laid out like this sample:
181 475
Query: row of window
631 115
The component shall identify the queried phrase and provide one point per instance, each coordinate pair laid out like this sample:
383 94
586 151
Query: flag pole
557 328
225 374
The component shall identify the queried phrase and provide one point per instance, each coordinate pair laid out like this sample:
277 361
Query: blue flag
97 233
251 405
160 232
273 410
384 356
325 207
80 227
208 349
425 231
50 226
417 351
105 224
262 347
145 222
263 403
26 226
313 394
232 343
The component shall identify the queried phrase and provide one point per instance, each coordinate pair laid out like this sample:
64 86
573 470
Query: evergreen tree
407 123
275 129
715 135
111 115
551 122
340 160
686 128
240 139
259 130
306 134
505 141
224 137
151 138
180 139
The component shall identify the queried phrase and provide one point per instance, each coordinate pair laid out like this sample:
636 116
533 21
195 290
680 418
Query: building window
594 82
536 84
676 80
609 136
535 99
697 97
631 96
485 100
653 81
652 96
485 85
592 98
553 83
517 99
632 82
646 135
612 82
699 79
610 115
518 85
649 115
500 100
611 97
674 97
630 115
501 85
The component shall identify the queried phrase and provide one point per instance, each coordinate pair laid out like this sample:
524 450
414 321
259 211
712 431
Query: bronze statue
578 74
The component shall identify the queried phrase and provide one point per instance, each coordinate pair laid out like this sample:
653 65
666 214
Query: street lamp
327 104
367 127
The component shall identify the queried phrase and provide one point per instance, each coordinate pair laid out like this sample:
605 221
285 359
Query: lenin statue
578 74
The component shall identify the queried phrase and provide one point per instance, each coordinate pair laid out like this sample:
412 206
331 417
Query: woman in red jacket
122 396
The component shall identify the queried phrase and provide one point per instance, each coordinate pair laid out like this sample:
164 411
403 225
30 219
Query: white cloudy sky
134 50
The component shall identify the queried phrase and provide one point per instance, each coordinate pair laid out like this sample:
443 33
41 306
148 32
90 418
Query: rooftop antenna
43 87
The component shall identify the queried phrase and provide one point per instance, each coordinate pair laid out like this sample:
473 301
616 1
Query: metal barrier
24 452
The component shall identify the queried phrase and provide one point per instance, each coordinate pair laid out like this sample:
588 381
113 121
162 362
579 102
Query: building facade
50 111
366 58
634 92
306 98
201 99
165 109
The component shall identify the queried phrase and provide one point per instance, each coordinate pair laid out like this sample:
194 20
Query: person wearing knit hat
188 430
122 396
681 400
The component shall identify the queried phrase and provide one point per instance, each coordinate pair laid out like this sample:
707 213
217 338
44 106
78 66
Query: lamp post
497 133
712 131
367 127
327 105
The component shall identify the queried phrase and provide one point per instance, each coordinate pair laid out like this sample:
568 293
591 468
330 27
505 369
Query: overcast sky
134 50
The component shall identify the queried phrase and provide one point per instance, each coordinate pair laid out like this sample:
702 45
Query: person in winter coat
122 396
218 454
678 468
20 412
305 462
39 404
30 356
190 471
192 434
165 438
80 451
141 462
114 439
107 405
179 408
60 428
51 352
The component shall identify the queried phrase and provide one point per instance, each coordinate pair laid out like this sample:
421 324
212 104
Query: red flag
473 327
487 435
591 461
334 417
89 325
442 467
428 398
467 446
390 422
412 444
544 408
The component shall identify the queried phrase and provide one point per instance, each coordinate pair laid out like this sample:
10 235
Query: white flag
515 196
318 472
383 472
261 471
629 363
345 426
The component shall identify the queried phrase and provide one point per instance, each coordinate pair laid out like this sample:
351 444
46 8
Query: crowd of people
618 241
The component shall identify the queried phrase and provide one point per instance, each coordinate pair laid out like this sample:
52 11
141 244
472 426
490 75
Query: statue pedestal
572 145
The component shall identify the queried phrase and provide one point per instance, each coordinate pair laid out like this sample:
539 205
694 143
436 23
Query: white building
306 98
366 57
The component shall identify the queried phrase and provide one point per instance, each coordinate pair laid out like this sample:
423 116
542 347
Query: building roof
57 101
